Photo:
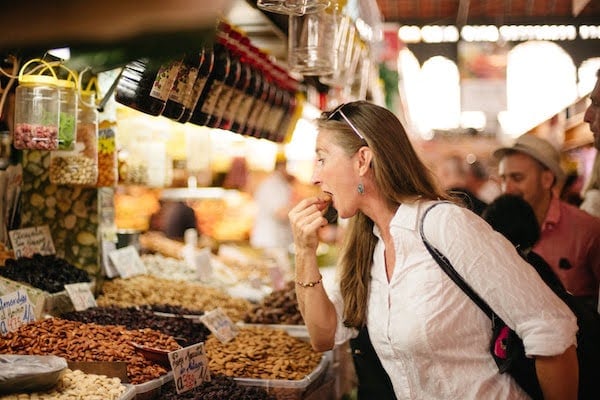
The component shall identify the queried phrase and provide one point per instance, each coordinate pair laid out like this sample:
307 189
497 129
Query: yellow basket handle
92 83
44 65
71 74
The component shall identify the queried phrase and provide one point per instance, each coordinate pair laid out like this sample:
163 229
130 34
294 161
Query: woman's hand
306 218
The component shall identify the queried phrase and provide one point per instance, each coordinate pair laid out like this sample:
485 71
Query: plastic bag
25 373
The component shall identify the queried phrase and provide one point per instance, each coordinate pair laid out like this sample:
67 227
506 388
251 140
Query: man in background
453 173
274 199
570 238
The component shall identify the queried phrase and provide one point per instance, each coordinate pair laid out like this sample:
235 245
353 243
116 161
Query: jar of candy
37 107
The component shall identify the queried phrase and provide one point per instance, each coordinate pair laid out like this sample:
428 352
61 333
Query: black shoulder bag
506 346
373 381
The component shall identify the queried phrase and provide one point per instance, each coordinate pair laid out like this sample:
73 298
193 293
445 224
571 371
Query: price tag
220 325
127 261
190 367
28 241
203 265
15 310
108 246
81 295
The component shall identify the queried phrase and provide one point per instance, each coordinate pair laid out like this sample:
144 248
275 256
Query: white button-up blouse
432 340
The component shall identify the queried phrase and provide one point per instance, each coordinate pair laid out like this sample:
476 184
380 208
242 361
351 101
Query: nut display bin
129 393
151 390
292 389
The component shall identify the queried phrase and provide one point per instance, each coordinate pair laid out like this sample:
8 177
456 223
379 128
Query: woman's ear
365 156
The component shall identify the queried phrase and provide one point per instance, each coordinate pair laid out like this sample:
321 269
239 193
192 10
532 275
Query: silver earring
361 188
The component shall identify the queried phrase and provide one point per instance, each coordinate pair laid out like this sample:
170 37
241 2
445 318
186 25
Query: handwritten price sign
28 241
190 367
220 325
127 261
81 295
15 310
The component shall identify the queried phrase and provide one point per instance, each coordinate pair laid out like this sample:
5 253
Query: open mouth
330 214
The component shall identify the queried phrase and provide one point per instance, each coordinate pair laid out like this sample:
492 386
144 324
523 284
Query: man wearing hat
570 237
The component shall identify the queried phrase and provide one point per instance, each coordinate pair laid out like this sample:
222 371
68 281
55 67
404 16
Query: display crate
284 389
151 390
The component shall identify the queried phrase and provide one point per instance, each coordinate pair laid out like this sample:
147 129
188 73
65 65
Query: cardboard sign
127 261
220 325
81 295
15 310
28 241
190 367
37 297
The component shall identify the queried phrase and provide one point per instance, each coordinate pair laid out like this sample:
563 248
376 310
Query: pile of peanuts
148 290
77 341
75 169
182 329
77 385
262 353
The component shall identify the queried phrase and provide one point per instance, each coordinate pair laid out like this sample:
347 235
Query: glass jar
311 43
292 7
67 124
79 166
36 112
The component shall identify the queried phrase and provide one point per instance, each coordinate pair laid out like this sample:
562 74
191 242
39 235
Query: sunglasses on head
338 110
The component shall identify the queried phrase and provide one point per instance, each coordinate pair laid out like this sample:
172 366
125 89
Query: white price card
203 265
15 310
190 367
220 325
127 261
81 295
108 246
28 241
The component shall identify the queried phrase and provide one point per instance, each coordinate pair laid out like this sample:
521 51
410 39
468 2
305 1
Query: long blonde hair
399 175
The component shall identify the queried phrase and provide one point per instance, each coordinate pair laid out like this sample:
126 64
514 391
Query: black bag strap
445 264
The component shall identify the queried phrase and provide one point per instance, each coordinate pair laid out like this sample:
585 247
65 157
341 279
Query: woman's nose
315 178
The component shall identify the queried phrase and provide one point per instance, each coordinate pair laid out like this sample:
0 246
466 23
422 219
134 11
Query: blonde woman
431 339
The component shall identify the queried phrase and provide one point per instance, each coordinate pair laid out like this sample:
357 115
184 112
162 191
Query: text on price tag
15 310
220 325
81 295
127 261
28 241
190 367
